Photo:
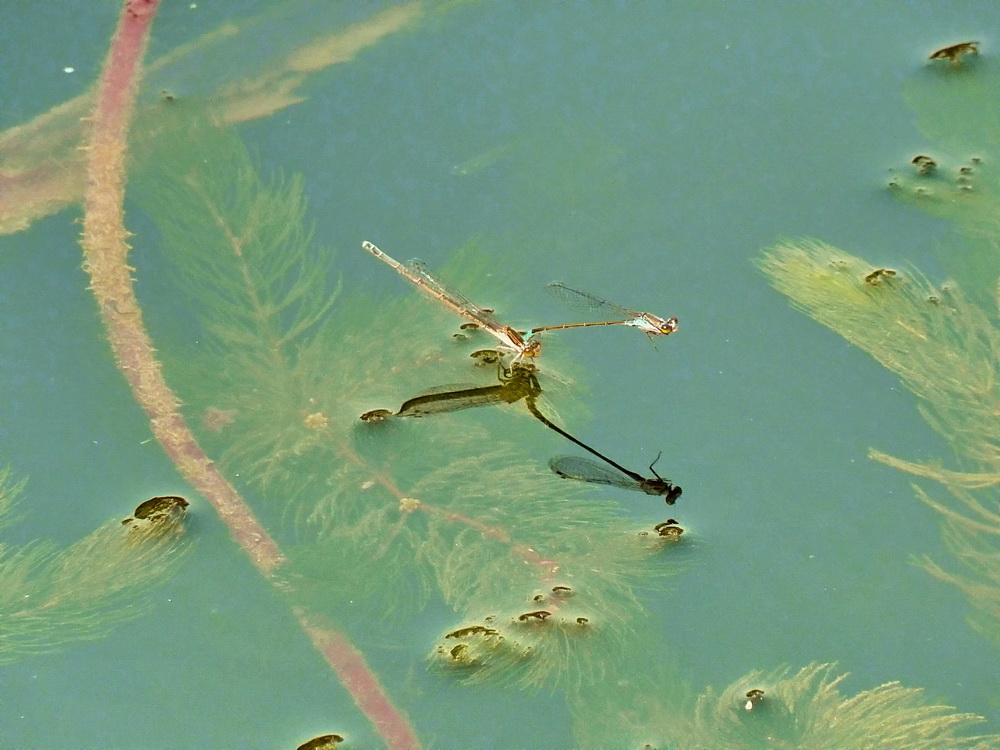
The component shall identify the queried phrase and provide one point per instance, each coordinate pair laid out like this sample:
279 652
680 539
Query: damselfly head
663 487
660 485
517 344
654 325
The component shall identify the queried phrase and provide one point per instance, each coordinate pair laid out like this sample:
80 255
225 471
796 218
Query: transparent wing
587 301
587 470
419 268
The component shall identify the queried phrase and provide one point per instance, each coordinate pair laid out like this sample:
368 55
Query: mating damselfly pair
512 341
526 345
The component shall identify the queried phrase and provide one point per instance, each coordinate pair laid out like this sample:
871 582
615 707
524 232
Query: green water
646 151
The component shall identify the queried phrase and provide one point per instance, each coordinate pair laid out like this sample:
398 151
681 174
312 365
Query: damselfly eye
670 326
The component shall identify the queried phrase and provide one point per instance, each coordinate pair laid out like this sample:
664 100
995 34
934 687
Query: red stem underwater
105 260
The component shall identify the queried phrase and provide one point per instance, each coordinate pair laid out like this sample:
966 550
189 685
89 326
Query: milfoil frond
377 518
807 711
50 598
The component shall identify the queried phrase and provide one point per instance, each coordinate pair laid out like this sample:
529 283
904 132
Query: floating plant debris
754 697
472 630
955 52
538 616
159 509
485 357
323 742
923 163
669 528
875 277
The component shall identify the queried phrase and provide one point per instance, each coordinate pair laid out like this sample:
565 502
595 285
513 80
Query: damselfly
511 341
651 325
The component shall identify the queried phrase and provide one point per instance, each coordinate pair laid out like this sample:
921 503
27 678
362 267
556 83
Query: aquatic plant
265 304
50 598
943 341
807 711
470 518
945 350
44 163
774 709
354 528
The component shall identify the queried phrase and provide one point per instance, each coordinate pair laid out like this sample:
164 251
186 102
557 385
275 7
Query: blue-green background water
646 151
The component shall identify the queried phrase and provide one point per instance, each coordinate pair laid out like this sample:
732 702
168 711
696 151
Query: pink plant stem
105 260
361 682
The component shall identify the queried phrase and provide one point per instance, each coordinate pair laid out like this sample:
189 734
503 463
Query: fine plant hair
791 710
945 349
51 597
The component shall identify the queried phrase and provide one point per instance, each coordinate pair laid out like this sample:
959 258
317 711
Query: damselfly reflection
521 382
517 383
588 470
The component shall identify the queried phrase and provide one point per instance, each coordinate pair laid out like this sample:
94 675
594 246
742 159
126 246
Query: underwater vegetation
777 709
357 532
806 709
50 598
43 164
945 349
336 519
943 340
